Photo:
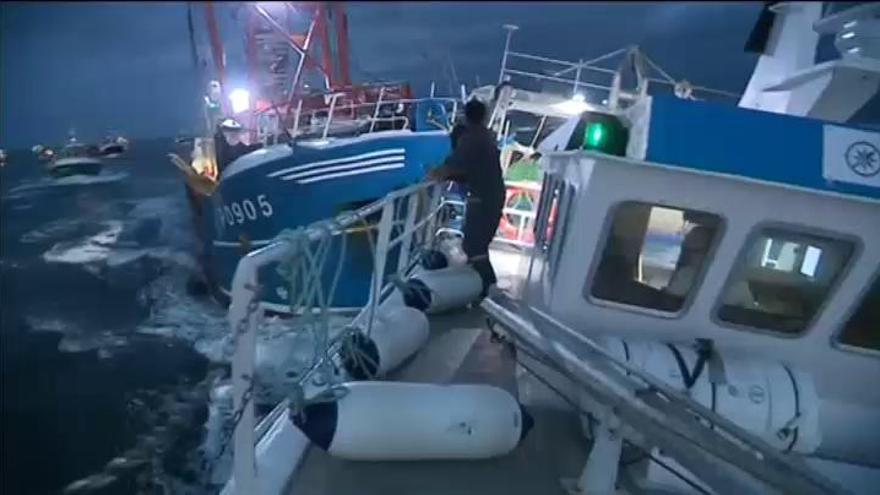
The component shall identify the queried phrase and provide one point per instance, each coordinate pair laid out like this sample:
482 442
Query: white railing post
510 29
406 244
378 106
434 193
330 111
386 222
244 318
296 117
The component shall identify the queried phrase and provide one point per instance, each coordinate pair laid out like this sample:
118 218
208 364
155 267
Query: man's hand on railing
437 174
443 174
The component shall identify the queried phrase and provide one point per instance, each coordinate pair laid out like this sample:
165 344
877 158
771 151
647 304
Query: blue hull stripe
349 166
351 172
334 161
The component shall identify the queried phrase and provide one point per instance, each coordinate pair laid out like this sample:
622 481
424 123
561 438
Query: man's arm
455 165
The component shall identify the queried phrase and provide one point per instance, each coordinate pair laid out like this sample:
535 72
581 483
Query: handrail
590 66
725 453
244 307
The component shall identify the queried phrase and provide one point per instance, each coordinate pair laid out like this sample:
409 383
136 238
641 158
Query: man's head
475 112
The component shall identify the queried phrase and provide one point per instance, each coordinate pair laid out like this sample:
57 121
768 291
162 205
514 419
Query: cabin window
863 327
654 255
548 211
782 279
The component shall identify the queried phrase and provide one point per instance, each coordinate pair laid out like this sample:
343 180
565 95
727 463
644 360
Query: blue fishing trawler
289 156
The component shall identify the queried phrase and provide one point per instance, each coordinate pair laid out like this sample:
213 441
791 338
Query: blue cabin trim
751 143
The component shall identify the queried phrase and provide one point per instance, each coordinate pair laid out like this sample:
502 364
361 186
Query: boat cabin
756 232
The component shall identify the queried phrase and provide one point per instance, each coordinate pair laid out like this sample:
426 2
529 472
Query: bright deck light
240 99
576 105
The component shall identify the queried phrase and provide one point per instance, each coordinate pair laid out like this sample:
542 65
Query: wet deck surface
460 351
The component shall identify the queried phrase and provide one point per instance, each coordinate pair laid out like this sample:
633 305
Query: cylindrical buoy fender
436 291
379 421
765 398
398 332
434 259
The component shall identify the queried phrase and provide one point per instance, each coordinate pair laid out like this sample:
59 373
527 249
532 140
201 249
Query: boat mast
216 44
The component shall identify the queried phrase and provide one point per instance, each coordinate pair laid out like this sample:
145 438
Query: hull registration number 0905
246 210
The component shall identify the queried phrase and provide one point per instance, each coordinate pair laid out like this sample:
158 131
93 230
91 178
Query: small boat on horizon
75 158
113 146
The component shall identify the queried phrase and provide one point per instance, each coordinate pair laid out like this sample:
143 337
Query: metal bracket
599 476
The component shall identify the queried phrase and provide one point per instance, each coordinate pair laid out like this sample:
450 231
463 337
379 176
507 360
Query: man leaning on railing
474 162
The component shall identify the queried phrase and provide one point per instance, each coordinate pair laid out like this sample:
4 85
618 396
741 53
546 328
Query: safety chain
228 430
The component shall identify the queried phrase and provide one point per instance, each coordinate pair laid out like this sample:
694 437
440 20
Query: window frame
699 280
796 229
835 340
567 195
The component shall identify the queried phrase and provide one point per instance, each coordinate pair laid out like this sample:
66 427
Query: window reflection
654 255
782 280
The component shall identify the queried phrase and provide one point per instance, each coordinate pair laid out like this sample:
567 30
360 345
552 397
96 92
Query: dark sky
127 66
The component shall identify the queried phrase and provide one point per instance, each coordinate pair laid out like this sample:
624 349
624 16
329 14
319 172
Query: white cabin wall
742 205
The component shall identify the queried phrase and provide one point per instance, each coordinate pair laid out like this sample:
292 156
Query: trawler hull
280 187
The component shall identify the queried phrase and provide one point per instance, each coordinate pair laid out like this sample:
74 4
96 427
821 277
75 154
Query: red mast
290 45
216 43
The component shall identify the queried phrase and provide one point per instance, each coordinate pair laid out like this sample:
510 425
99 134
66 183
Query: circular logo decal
863 158
756 394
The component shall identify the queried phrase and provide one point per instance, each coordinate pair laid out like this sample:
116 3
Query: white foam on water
55 229
40 324
92 249
28 187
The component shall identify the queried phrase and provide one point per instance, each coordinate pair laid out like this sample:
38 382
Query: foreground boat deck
460 351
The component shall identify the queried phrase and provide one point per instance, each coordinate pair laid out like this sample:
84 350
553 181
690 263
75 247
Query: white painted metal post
406 243
577 77
510 29
378 106
330 111
434 193
599 475
244 456
379 258
296 116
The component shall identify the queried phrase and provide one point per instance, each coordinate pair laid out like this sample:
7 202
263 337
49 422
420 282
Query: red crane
294 48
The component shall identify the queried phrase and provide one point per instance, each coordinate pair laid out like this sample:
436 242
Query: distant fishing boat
75 158
113 146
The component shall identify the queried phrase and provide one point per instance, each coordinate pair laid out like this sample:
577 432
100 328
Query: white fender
377 421
398 332
448 288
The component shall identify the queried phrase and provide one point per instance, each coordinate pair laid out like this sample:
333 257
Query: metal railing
721 453
408 219
360 115
632 57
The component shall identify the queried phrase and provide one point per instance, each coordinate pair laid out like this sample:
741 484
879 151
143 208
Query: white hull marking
336 161
352 172
397 159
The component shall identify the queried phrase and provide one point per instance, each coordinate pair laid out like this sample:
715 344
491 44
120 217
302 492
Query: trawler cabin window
782 279
653 255
863 327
